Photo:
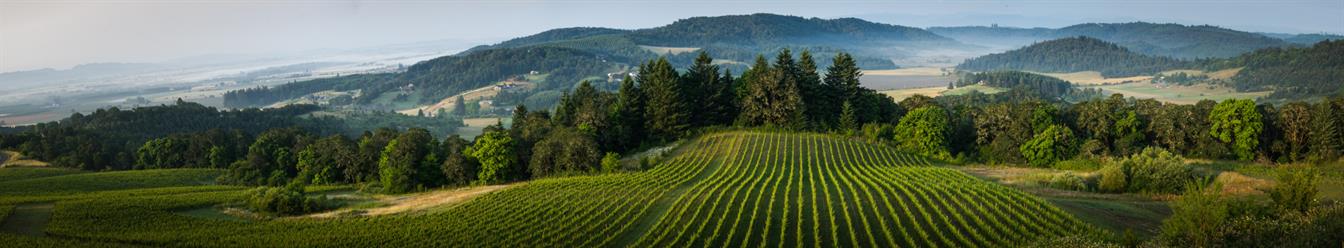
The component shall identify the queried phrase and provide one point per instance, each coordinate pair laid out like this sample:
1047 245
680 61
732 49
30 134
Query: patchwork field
906 78
726 189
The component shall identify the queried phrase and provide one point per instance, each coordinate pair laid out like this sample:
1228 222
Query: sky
59 34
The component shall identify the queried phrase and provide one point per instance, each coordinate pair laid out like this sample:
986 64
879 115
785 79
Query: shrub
287 200
878 131
1296 190
1195 216
1065 181
1155 170
611 162
1112 179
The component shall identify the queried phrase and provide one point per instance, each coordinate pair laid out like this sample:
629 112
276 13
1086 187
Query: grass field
726 189
1179 94
24 173
906 78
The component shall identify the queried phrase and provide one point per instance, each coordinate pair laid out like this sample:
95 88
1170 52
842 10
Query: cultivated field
905 78
726 189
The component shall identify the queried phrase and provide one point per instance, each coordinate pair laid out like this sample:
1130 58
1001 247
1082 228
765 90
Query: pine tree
842 85
630 114
460 106
820 109
700 82
848 120
667 113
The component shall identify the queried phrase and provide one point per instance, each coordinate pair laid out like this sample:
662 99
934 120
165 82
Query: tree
1295 124
458 168
772 97
700 82
564 150
666 112
1326 136
459 106
327 160
370 150
819 108
924 131
848 119
1052 145
1237 122
410 162
495 152
629 115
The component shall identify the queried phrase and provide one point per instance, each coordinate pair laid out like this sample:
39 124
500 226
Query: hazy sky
63 33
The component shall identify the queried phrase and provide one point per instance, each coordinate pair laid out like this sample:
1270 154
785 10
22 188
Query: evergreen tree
842 83
667 114
459 106
629 114
819 108
848 120
772 98
699 82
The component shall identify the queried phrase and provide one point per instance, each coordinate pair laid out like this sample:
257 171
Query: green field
24 173
726 189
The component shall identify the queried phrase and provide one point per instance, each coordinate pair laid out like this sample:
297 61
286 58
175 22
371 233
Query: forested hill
739 38
1292 73
568 55
1072 55
445 76
1171 40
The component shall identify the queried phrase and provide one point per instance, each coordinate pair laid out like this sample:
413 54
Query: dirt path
422 201
28 219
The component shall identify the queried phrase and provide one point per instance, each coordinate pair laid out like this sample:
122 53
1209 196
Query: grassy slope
869 194
24 173
87 182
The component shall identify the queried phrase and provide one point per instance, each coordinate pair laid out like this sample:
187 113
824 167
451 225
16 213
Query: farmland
724 189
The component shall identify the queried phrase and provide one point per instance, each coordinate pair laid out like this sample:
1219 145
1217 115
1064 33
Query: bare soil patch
419 202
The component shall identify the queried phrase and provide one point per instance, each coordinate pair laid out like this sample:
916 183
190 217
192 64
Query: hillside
722 190
1290 72
1071 55
741 37
1171 40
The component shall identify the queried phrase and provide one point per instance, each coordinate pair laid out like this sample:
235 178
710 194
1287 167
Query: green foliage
1050 146
1196 216
1112 178
564 150
327 160
848 119
1237 122
410 162
666 111
495 152
1292 72
22 173
1077 164
611 162
284 201
772 97
878 131
1041 86
1155 170
458 168
1074 54
1296 190
924 131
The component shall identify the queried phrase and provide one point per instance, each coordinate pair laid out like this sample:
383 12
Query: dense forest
108 139
1072 55
1044 87
441 77
1153 39
1291 73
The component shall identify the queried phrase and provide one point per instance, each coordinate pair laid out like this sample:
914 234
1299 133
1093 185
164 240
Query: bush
878 131
1155 170
288 200
1296 190
611 162
1112 179
1195 217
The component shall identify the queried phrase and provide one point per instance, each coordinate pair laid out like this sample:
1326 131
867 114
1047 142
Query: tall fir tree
630 114
699 82
772 98
842 85
667 115
819 107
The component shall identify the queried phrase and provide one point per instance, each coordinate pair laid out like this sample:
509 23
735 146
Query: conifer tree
667 114
700 82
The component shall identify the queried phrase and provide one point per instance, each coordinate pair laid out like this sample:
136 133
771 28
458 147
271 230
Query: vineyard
721 190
